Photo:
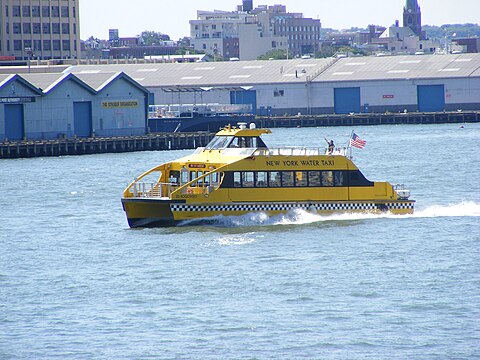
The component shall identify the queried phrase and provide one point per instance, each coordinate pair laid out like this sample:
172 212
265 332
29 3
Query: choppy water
77 283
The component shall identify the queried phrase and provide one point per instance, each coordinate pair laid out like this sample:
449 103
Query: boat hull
166 213
196 123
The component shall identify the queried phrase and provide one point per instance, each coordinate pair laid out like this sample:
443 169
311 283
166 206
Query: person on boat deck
331 146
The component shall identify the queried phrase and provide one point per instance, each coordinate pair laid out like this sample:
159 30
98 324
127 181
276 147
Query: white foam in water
466 208
301 217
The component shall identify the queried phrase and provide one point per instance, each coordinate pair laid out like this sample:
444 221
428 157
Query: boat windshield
219 142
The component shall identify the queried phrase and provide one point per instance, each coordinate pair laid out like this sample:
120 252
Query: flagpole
350 144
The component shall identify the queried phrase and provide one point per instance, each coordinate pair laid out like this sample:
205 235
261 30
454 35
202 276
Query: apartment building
40 29
250 32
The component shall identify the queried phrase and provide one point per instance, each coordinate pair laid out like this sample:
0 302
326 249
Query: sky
172 17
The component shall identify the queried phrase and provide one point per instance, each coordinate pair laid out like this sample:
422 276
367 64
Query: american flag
357 142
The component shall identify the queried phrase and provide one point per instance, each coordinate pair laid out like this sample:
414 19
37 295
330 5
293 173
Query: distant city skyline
131 18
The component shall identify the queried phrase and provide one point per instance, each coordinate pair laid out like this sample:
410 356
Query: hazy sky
171 17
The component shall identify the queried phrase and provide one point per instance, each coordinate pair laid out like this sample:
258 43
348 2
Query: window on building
26 11
65 29
74 12
56 45
55 28
47 45
45 11
6 10
278 93
37 45
27 44
7 28
66 45
65 11
16 10
36 11
36 29
17 28
55 11
17 45
27 28
46 29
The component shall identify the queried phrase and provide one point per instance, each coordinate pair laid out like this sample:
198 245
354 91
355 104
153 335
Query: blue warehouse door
82 118
431 98
14 128
244 97
347 100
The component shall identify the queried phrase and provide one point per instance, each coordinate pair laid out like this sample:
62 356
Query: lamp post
29 52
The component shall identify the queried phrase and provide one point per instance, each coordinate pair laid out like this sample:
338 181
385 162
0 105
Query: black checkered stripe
287 207
400 205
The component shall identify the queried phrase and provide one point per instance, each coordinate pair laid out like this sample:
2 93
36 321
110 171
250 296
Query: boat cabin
240 137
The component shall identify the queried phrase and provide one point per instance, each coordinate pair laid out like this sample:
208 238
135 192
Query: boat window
300 178
183 175
339 178
247 180
247 142
259 143
174 177
358 179
219 142
261 179
214 178
237 179
314 178
327 178
193 176
287 178
274 179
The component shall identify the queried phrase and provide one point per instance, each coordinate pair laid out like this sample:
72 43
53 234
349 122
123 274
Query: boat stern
146 213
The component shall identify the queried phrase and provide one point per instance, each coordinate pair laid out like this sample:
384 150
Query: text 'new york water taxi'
236 173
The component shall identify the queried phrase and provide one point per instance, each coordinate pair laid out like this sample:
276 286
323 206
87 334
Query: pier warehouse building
424 83
65 105
112 100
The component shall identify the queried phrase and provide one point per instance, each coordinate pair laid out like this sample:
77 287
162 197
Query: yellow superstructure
237 173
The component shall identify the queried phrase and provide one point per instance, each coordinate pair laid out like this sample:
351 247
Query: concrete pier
81 146
177 141
369 119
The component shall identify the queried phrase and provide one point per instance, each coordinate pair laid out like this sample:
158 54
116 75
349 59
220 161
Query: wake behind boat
236 173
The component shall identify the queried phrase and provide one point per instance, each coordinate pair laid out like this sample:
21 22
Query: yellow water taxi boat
236 173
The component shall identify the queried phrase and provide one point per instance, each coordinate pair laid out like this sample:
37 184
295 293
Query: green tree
152 37
274 54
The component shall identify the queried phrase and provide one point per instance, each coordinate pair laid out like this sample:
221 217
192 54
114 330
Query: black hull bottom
200 123
151 222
